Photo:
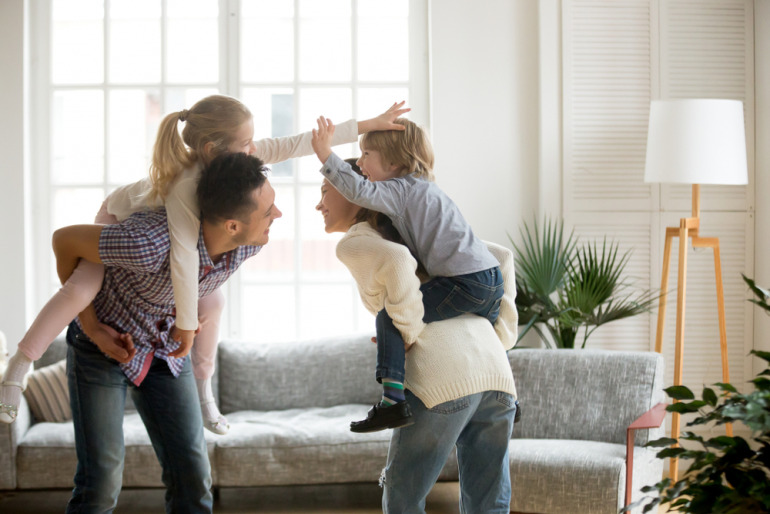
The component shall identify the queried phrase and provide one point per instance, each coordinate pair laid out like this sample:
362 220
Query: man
136 300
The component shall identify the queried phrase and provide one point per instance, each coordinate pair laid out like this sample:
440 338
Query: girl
213 126
465 276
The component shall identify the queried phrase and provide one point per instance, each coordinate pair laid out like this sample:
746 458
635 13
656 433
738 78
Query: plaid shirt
137 296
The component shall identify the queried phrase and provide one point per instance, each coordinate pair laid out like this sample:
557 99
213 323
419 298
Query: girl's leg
74 296
204 353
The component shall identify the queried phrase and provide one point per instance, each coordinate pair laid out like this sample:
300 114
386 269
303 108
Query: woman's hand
322 139
385 120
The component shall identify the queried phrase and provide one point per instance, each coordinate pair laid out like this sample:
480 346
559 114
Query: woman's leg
204 355
74 296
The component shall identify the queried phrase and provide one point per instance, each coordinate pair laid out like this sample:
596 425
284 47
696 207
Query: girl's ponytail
169 155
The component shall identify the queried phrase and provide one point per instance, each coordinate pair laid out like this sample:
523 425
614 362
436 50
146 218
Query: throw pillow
47 393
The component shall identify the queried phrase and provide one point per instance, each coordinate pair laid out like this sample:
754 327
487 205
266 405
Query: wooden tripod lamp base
688 229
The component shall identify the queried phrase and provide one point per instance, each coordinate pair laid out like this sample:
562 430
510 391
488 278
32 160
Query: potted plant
563 286
727 474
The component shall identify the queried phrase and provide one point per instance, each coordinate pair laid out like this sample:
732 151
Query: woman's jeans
443 298
169 409
480 425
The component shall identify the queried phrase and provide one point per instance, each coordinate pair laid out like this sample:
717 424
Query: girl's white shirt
183 213
449 359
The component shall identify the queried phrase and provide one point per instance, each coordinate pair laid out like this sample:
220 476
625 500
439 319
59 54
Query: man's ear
232 227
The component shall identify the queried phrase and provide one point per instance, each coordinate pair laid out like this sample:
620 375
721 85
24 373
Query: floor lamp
698 141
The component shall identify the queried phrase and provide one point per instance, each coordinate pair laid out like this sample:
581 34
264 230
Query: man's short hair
226 185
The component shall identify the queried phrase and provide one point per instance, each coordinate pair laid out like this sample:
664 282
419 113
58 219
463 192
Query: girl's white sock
212 418
18 366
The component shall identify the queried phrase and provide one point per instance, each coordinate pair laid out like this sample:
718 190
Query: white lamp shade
700 141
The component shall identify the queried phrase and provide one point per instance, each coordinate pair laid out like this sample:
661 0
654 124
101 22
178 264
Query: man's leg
170 411
97 397
418 453
482 455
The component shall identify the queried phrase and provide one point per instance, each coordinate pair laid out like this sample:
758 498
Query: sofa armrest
10 435
653 418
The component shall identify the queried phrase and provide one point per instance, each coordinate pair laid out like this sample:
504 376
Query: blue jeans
170 412
480 426
443 298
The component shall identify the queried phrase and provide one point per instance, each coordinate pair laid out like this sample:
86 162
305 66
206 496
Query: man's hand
322 139
112 344
385 120
185 338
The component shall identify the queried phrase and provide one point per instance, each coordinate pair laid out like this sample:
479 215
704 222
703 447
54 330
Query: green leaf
726 387
709 396
663 441
679 392
670 452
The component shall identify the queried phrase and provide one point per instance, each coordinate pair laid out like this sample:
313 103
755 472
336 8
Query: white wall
15 258
484 78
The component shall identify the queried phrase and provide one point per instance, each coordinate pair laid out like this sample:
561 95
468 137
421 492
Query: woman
459 384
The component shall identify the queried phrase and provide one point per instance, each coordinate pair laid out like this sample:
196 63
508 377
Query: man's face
257 231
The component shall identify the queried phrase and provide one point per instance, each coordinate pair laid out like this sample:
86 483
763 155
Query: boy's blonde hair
410 148
214 119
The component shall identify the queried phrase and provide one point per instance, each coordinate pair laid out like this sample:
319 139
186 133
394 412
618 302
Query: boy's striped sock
392 392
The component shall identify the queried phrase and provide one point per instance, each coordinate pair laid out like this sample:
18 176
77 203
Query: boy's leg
476 293
482 455
417 453
97 397
203 355
170 411
392 411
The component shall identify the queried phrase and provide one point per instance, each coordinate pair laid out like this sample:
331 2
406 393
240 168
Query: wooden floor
349 498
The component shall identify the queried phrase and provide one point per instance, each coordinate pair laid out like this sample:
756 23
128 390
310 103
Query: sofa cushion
590 395
551 475
48 394
46 456
278 376
303 446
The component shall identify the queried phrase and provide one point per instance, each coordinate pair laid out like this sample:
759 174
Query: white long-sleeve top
184 215
451 358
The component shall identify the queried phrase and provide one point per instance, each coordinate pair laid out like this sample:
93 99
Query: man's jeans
170 411
443 298
480 425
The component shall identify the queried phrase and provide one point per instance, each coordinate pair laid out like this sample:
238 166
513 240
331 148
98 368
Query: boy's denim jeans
480 425
170 411
443 298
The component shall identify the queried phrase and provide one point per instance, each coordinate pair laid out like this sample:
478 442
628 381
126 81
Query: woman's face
244 139
338 213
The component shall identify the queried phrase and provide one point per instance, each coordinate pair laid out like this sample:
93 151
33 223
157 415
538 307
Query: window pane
75 206
383 48
380 9
324 40
267 41
193 41
337 316
78 137
178 99
77 45
334 103
268 312
273 111
134 59
373 101
134 116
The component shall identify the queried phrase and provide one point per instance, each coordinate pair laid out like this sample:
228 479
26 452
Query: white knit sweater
452 358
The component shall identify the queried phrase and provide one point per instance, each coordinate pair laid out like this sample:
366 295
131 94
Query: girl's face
244 139
338 213
374 169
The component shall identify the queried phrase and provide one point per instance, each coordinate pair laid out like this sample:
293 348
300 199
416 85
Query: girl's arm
184 230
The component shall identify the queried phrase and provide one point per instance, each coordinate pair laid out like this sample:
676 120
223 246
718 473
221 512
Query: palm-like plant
562 286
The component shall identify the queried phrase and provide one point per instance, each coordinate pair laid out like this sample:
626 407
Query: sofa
567 453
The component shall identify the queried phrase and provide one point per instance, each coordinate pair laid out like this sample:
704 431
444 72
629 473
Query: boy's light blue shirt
429 221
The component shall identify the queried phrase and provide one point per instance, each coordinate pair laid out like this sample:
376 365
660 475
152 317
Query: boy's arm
322 139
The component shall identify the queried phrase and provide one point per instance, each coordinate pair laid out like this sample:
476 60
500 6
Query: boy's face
373 168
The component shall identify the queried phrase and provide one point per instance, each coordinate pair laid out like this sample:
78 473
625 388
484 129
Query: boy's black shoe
380 418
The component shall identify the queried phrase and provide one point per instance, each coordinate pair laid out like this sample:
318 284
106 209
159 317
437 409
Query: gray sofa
567 452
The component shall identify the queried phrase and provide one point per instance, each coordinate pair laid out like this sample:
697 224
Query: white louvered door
617 56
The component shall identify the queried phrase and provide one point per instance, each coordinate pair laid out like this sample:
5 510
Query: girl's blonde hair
410 148
214 119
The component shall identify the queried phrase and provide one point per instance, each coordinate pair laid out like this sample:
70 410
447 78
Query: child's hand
322 139
385 120
185 338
